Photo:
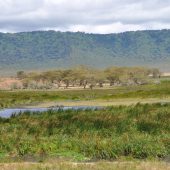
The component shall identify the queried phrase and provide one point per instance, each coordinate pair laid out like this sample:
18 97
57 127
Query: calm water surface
6 113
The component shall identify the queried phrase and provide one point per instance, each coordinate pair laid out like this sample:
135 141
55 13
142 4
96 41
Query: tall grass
137 131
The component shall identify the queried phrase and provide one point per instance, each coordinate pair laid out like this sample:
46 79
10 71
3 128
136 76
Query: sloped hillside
49 49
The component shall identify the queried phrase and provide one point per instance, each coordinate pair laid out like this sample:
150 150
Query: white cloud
97 16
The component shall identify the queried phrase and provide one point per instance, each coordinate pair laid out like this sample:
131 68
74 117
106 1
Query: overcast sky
94 16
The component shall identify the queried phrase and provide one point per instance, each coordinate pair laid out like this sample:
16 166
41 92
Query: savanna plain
129 127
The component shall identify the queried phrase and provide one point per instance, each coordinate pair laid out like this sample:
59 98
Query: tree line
87 77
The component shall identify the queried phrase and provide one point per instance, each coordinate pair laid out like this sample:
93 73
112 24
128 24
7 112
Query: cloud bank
94 16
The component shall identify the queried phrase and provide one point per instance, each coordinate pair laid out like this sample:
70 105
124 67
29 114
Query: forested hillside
42 50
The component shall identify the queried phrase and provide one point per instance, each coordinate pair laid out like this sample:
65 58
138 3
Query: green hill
42 50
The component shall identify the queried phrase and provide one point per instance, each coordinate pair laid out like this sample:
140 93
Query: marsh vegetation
137 131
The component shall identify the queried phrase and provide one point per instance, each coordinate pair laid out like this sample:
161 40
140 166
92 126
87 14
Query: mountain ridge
46 50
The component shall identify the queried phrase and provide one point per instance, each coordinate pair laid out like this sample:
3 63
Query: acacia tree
155 73
113 75
126 75
92 77
21 75
54 76
137 75
87 76
97 77
69 77
80 75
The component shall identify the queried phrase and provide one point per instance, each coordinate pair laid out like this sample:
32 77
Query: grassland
146 93
127 135
65 165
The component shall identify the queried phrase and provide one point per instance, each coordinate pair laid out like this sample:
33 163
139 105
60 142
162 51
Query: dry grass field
86 166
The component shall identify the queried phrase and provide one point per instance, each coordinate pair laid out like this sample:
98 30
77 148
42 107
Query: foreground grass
14 98
137 132
88 166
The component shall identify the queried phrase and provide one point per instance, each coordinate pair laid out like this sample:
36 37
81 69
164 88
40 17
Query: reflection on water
5 113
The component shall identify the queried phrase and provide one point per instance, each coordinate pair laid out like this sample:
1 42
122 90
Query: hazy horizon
83 32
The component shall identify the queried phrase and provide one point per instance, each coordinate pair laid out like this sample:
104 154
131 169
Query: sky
91 16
